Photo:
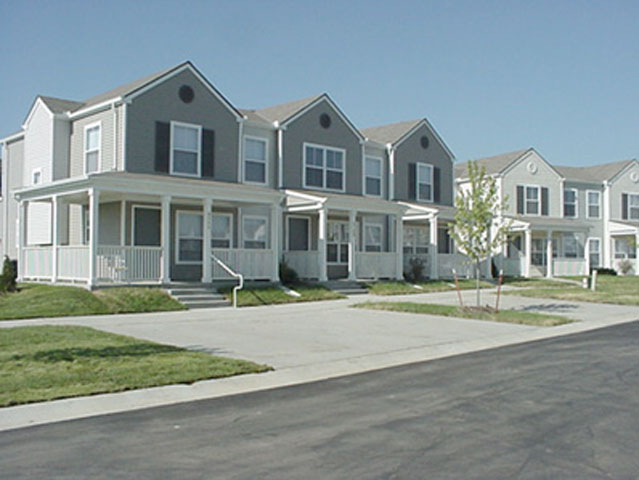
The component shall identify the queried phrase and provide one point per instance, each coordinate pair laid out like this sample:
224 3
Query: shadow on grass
549 307
71 354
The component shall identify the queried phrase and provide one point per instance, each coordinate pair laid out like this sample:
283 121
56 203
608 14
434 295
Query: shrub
416 272
8 276
625 266
288 275
604 271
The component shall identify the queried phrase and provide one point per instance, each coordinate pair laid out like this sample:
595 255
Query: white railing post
55 238
637 254
94 223
549 259
239 276
166 240
206 241
276 226
433 248
22 230
321 244
399 247
352 268
528 252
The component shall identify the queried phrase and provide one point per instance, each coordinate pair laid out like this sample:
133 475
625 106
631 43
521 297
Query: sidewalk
306 342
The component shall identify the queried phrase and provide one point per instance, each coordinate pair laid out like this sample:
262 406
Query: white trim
231 229
630 164
339 243
240 151
526 187
147 207
124 106
308 233
324 167
280 158
266 159
432 182
381 235
92 109
630 194
266 236
381 176
33 172
576 192
177 237
91 126
199 150
38 101
587 252
588 192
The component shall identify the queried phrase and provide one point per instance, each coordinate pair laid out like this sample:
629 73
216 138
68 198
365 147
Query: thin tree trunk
477 283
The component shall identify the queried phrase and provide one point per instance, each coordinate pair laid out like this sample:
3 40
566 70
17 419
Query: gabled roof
253 116
493 165
60 105
595 173
281 113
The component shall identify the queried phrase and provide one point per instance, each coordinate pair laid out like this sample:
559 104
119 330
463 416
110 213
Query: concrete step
192 304
196 295
345 287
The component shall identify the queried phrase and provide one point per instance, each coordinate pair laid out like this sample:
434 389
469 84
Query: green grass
610 289
532 282
34 301
273 295
430 286
507 316
49 362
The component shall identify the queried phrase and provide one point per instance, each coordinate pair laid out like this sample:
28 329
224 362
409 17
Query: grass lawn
271 295
49 362
430 286
34 300
507 316
533 282
610 289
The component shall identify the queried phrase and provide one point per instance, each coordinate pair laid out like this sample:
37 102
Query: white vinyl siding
39 223
324 167
186 141
373 176
36 176
189 237
571 207
424 180
254 232
255 160
593 204
92 150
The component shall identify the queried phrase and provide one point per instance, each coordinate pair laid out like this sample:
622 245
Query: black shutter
624 206
520 199
412 179
208 152
162 146
437 182
544 201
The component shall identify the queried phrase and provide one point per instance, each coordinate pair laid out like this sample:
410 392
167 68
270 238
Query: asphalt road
560 408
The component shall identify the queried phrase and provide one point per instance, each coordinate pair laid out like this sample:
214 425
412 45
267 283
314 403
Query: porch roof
550 223
623 227
152 185
300 200
417 211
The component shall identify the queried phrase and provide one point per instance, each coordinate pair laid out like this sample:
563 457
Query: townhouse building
164 180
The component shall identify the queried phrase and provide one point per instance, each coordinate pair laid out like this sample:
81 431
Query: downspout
124 128
607 260
115 136
391 171
280 155
240 153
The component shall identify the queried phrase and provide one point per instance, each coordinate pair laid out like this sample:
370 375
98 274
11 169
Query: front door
538 252
337 243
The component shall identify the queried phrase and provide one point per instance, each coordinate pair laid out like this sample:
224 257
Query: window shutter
208 152
544 201
624 206
162 146
412 181
437 181
520 199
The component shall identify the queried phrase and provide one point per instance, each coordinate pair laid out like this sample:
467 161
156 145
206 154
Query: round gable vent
186 94
532 167
424 142
325 120
634 176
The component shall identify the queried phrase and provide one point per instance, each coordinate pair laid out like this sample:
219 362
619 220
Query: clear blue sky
491 76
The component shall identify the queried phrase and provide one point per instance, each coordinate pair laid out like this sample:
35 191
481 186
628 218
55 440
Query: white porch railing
449 261
253 264
375 265
38 263
514 267
305 263
123 264
562 266
73 262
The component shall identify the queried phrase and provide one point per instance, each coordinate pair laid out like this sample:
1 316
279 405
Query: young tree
475 230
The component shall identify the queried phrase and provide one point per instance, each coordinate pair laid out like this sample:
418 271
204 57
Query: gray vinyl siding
12 172
622 184
409 152
162 104
271 137
76 159
595 225
372 151
306 129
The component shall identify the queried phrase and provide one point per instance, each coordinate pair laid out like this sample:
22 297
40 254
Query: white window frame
413 248
630 195
230 237
148 207
381 176
598 239
576 202
33 175
381 239
324 167
91 126
255 217
177 237
199 150
418 180
288 231
266 159
339 243
588 192
564 242
526 212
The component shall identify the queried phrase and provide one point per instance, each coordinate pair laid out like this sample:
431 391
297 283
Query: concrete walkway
306 342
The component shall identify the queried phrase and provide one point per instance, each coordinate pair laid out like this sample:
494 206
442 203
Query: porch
624 246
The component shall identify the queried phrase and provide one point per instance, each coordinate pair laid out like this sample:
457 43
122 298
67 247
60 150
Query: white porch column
55 237
165 240
433 248
276 226
122 223
528 252
22 234
94 235
207 267
549 259
637 254
399 247
321 244
352 274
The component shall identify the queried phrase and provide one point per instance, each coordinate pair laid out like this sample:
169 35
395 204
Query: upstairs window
570 203
373 176
185 149
532 200
323 168
633 206
91 148
255 160
594 204
424 180
36 177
